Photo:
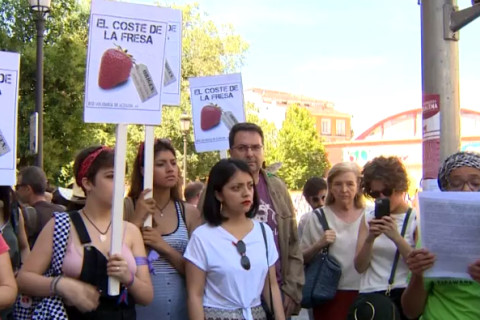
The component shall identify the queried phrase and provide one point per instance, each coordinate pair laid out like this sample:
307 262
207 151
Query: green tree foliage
299 148
207 50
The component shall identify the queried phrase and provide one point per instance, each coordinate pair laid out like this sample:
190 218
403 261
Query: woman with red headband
80 263
173 222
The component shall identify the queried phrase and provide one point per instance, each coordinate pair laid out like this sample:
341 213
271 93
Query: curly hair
389 170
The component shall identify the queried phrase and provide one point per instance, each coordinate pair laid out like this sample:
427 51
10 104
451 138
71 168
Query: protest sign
173 58
450 225
125 62
9 78
217 104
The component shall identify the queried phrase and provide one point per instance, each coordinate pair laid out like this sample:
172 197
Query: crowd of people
227 250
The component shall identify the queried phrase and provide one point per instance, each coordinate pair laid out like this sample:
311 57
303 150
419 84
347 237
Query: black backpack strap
80 227
268 265
397 253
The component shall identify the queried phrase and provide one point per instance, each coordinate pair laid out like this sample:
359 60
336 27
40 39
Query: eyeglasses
458 185
244 147
242 249
317 199
387 192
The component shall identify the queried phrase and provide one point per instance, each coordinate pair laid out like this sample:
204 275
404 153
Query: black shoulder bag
322 274
268 310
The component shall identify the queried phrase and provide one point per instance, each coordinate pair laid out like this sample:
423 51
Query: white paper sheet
450 228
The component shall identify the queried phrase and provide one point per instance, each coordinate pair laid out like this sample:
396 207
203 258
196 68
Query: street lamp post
40 9
185 128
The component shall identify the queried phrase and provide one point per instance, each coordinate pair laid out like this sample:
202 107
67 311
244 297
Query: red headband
87 163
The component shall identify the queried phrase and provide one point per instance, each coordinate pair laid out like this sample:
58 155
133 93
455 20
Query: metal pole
440 72
40 22
184 159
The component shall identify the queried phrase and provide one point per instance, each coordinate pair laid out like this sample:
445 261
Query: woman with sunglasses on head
173 222
87 264
231 259
379 238
445 299
344 207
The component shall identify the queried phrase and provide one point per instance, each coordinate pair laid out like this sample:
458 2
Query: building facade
331 124
401 135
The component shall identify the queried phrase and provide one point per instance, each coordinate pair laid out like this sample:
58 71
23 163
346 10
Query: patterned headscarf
456 160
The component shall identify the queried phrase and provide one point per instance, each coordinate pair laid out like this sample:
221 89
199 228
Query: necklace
162 208
103 235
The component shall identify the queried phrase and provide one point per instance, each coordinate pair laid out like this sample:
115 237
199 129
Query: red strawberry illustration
210 116
114 68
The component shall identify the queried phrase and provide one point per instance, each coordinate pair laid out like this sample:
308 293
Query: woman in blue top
173 222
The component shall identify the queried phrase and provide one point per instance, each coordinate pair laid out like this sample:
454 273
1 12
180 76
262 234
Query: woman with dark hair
12 228
87 264
379 238
228 264
173 222
445 299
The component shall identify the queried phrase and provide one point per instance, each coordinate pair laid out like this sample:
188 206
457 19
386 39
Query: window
340 127
326 126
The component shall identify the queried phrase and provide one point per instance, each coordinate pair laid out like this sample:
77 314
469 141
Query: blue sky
362 55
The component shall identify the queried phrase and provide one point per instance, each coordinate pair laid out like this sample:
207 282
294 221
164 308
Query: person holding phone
385 179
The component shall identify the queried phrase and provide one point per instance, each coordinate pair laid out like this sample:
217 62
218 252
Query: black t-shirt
44 211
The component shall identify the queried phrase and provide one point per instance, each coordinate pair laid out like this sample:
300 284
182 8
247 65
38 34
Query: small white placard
173 59
9 84
217 104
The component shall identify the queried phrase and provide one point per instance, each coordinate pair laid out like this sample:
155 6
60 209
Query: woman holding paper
84 256
173 222
445 299
231 258
380 240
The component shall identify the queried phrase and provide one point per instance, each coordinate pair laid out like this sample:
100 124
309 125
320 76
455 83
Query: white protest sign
173 59
450 225
9 78
217 104
125 62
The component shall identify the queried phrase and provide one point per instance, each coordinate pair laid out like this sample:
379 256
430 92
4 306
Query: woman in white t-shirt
380 238
227 262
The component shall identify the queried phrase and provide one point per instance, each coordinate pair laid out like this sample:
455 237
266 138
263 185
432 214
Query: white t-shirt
343 249
228 285
375 278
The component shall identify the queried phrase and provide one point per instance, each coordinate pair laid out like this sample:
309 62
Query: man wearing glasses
30 189
276 209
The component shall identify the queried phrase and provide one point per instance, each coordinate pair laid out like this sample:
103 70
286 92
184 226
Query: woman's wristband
53 285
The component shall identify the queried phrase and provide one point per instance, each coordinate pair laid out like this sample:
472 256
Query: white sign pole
117 207
223 154
148 167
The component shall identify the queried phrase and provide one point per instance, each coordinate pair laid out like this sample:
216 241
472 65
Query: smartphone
382 207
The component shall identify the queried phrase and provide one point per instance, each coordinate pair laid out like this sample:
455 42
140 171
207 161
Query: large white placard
9 78
173 59
125 62
217 104
450 229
